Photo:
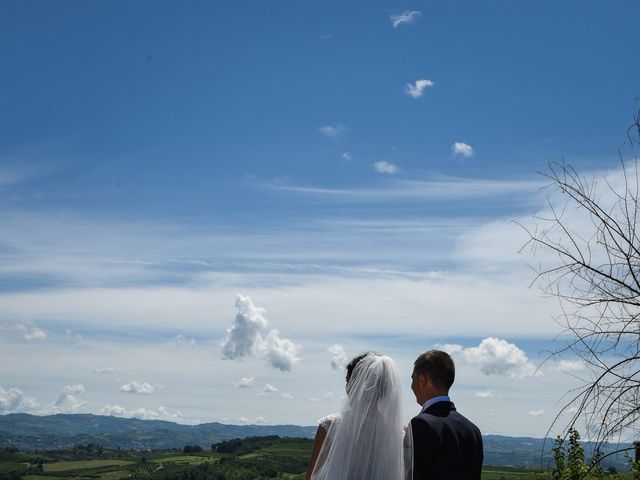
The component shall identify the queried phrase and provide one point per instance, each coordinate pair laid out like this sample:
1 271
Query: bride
365 440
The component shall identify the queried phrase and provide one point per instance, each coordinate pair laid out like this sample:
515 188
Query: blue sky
158 158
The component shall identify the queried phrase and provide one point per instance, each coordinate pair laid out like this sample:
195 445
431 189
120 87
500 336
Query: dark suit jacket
446 446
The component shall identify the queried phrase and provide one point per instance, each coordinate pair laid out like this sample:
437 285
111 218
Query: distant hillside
30 432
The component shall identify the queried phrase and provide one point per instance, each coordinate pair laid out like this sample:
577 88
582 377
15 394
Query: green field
256 458
83 465
504 473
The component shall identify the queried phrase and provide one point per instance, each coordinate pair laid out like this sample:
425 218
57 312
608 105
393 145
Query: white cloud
182 341
244 338
485 394
535 413
281 353
34 335
495 356
347 157
245 382
68 401
142 413
339 358
288 396
406 17
333 131
74 336
416 90
143 388
461 148
571 365
13 400
385 167
104 370
267 389
450 348
246 420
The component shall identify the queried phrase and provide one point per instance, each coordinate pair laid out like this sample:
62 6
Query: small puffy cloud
267 389
407 17
416 90
143 388
347 157
288 396
34 335
104 370
71 335
182 341
142 413
245 382
461 148
248 421
535 413
245 338
485 394
339 358
13 400
385 167
333 131
495 356
68 400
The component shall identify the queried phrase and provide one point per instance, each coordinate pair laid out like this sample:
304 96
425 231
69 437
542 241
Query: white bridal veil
366 442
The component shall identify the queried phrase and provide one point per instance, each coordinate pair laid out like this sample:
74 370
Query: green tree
576 468
558 459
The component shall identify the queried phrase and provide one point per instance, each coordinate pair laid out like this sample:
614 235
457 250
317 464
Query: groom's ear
423 380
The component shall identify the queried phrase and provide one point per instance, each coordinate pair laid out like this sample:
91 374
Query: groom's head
433 375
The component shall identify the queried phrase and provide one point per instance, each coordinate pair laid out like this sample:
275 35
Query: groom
446 446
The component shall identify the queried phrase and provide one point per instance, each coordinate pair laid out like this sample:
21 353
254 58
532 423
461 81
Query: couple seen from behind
368 441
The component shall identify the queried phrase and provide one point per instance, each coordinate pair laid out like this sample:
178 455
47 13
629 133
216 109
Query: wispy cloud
462 149
333 131
13 176
443 188
571 365
385 167
104 370
535 413
347 157
417 89
405 18
485 394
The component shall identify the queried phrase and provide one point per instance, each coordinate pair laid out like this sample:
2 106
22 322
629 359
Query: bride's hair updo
353 363
360 369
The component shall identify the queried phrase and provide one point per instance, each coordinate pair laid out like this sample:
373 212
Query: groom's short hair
438 366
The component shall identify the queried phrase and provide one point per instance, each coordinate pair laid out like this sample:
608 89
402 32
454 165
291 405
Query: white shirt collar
431 401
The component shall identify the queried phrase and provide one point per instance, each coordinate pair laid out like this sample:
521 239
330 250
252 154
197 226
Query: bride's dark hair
354 362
